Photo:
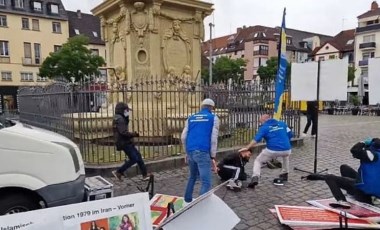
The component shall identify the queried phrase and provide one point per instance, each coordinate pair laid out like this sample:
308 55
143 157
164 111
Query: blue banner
281 72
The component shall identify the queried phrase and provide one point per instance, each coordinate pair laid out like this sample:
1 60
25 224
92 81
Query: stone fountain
147 38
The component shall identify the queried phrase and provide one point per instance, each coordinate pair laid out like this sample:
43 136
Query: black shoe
315 176
254 182
284 176
270 165
341 204
277 163
278 181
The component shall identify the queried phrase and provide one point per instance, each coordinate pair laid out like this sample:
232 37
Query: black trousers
347 182
229 173
311 120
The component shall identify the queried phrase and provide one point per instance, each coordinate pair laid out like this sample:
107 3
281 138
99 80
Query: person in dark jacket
232 167
362 184
124 141
312 115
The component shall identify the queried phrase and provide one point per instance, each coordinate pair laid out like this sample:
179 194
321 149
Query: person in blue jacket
277 136
362 184
200 141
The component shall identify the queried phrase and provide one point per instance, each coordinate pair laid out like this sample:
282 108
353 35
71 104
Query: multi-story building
340 46
29 31
366 39
257 44
89 26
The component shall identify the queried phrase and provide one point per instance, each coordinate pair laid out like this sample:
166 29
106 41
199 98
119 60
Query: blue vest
369 177
199 132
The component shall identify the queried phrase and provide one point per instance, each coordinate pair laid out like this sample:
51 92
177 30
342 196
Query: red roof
219 45
340 42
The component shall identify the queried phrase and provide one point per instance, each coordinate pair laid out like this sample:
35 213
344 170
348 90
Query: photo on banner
131 212
374 81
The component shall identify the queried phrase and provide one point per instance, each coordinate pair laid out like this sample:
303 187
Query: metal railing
84 113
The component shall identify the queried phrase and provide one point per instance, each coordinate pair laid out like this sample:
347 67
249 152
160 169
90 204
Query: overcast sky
319 16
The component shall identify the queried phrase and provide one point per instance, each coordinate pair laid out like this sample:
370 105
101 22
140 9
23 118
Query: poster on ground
357 210
297 216
130 212
203 213
159 204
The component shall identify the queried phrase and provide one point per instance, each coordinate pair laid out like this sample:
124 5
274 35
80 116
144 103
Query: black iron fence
84 113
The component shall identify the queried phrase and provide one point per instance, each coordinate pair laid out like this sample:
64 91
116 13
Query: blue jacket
276 134
369 176
201 132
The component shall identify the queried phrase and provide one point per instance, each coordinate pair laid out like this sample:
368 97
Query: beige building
257 44
29 31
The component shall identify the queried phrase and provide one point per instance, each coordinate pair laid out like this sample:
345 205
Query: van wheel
16 203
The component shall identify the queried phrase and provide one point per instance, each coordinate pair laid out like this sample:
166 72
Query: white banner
374 81
304 81
119 213
333 81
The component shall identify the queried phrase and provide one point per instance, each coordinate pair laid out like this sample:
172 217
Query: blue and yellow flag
281 72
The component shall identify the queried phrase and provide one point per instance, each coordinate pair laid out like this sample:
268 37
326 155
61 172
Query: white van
38 169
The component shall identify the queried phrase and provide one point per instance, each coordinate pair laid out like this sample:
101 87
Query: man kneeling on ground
232 168
362 185
277 136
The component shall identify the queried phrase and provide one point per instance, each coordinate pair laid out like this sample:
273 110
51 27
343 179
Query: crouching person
362 184
232 168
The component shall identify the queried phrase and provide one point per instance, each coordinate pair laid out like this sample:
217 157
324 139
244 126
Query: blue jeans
134 157
199 165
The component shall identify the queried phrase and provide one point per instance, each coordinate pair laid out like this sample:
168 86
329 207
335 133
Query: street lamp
210 63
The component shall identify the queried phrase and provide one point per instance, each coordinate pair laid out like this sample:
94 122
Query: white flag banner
374 81
333 80
304 81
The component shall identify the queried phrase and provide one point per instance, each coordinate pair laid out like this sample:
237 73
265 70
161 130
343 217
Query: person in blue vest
363 184
200 140
277 136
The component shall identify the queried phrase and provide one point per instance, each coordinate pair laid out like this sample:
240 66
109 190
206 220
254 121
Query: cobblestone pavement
336 135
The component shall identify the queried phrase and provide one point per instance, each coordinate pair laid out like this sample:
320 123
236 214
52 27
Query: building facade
257 44
29 31
88 25
367 37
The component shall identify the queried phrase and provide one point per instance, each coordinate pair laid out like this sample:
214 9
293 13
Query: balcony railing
260 52
363 62
367 45
368 28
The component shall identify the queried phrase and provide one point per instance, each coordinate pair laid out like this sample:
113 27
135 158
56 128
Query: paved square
336 136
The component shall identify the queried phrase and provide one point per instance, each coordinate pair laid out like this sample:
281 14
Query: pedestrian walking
124 142
277 136
200 140
312 118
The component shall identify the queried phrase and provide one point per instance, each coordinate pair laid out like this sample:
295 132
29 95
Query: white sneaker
234 185
186 203
312 136
303 135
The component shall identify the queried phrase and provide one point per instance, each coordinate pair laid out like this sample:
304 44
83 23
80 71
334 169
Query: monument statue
152 38
142 20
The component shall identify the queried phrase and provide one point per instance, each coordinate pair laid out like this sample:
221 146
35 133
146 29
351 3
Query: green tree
73 61
225 68
351 74
269 71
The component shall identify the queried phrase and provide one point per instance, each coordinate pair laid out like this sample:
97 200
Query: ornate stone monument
160 38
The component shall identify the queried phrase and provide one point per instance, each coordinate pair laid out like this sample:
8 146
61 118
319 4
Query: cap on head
208 102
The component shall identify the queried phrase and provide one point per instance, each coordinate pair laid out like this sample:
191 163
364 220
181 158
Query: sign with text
124 212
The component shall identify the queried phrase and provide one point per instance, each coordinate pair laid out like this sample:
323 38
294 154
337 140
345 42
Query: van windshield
4 123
